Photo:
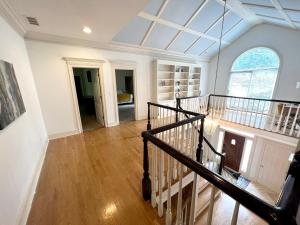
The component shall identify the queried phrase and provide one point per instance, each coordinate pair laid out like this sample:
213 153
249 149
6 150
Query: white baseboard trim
64 134
31 191
112 124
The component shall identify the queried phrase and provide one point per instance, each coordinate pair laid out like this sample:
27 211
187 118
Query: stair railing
277 116
183 136
167 139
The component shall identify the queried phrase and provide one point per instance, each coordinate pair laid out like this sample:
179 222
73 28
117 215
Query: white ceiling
66 18
188 28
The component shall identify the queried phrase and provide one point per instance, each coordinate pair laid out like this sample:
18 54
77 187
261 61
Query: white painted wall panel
283 40
22 142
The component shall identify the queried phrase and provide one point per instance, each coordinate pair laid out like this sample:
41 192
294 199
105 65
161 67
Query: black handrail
248 98
221 155
256 99
281 214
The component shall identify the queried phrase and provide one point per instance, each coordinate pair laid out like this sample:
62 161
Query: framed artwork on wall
11 102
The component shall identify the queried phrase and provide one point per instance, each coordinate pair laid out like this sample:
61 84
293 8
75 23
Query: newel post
177 107
149 122
199 152
208 104
146 182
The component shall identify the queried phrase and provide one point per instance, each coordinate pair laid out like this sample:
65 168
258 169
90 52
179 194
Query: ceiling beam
279 8
270 18
207 30
238 8
176 26
190 20
223 36
161 10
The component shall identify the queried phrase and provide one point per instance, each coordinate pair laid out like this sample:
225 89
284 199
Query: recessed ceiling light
87 30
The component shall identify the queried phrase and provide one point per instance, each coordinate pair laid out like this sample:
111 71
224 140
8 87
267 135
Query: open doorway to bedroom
88 90
125 94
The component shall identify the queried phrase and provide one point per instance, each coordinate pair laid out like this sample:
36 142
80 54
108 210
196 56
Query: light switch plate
298 85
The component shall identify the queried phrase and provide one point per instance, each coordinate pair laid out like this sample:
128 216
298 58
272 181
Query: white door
98 99
274 164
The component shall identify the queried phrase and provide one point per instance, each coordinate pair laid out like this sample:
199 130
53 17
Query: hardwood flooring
95 178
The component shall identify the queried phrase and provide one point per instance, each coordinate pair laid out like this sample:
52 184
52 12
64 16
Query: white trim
206 31
158 20
161 10
279 8
169 53
125 65
62 135
23 216
237 7
12 17
190 20
112 124
85 63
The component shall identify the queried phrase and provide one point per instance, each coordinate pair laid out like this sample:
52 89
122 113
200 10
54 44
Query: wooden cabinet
274 164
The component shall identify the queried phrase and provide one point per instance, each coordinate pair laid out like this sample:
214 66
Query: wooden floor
95 178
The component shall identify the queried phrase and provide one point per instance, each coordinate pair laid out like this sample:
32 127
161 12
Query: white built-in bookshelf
176 79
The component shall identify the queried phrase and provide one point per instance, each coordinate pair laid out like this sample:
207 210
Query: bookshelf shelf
176 78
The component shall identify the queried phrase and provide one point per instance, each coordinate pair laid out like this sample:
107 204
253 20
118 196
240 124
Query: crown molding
113 46
10 15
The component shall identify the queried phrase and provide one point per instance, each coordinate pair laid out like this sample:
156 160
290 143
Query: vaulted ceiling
193 27
188 28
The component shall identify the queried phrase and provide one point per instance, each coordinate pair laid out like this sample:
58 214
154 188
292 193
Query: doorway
125 94
233 146
88 90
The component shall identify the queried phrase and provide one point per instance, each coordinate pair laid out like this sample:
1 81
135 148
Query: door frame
125 65
247 136
85 63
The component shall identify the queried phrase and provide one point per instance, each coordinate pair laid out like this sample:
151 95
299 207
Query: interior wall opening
88 90
125 94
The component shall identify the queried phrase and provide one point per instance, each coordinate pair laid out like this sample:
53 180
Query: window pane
257 58
262 83
239 84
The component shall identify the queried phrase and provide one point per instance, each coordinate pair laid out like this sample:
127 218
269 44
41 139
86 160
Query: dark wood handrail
277 215
248 98
221 155
173 109
176 124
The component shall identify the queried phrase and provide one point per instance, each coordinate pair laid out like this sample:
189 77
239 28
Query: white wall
283 40
22 142
53 85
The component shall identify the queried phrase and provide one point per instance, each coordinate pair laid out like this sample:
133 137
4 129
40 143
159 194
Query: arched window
254 73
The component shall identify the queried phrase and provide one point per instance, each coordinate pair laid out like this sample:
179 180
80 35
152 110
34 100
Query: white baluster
237 110
211 205
262 115
280 118
160 185
179 200
294 122
193 200
169 203
232 107
251 112
235 213
275 109
287 119
176 142
185 141
256 113
246 112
